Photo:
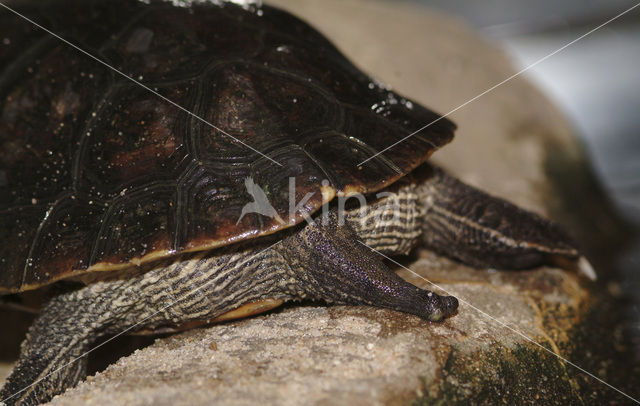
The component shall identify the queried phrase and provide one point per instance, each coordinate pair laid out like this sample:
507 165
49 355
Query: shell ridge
84 140
36 237
370 150
117 203
182 203
330 177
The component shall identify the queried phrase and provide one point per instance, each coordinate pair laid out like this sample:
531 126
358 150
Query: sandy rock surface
338 355
362 356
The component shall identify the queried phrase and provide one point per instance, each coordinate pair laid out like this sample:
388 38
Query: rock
356 356
503 344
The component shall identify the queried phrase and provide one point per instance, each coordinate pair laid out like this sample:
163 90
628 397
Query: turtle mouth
445 306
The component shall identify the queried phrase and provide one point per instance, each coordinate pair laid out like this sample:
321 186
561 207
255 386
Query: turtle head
439 307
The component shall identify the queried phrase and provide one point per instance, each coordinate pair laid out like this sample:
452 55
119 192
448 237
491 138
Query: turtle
169 164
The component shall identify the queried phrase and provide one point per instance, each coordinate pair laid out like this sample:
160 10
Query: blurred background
595 81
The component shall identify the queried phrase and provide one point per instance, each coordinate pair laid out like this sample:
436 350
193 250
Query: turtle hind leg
487 232
332 265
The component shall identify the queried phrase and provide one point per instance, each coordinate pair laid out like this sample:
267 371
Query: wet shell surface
98 172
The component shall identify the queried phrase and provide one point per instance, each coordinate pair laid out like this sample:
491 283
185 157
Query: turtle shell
99 173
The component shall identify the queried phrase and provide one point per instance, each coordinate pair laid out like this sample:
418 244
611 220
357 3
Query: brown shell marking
97 173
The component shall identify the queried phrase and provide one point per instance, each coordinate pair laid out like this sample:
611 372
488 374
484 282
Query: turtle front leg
331 265
483 231
201 288
51 356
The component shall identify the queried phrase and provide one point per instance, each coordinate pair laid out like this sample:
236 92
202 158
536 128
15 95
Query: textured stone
511 142
363 356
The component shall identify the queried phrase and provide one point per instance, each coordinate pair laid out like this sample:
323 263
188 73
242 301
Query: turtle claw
581 266
585 268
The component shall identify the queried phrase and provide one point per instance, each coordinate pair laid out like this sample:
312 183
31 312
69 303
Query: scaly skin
320 261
